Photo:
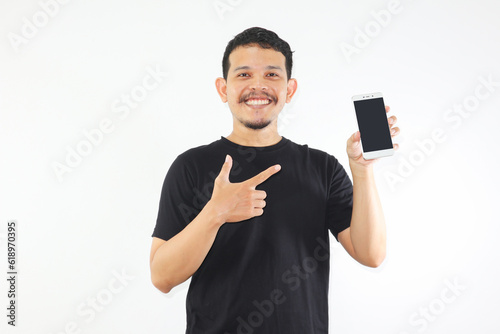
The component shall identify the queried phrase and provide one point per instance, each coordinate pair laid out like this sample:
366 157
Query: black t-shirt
268 274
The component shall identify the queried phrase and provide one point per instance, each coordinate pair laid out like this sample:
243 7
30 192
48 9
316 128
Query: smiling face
256 88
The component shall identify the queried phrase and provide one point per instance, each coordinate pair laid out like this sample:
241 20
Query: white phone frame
372 154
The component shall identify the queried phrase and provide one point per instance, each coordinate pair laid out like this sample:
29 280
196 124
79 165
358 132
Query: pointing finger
262 176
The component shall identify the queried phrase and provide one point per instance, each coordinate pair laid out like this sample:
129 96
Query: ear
291 89
220 84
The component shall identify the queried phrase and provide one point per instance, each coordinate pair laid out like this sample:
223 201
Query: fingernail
227 158
277 167
393 131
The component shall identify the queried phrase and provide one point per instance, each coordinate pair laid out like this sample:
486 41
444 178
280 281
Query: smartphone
376 137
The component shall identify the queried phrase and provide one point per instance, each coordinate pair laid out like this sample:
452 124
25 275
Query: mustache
245 97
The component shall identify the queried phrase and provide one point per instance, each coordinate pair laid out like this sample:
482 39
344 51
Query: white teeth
257 102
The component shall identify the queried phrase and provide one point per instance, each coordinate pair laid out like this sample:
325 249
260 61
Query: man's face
256 88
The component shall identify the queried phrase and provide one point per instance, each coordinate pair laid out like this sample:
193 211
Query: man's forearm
178 258
368 232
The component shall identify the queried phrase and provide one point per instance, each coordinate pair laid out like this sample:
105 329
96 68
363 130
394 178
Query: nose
258 83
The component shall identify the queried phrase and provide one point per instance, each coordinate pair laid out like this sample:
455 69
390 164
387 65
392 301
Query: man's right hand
234 202
174 261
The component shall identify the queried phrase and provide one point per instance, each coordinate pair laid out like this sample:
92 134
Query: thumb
226 169
354 140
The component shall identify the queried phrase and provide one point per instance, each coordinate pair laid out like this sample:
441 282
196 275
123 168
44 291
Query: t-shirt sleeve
339 205
176 201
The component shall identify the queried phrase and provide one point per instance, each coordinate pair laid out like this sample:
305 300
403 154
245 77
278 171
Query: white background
80 230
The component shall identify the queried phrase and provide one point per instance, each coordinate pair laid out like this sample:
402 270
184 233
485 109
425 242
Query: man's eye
273 74
243 75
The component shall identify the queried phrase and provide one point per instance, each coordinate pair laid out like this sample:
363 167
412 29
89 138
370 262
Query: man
253 235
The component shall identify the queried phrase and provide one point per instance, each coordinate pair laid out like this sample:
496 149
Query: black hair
266 39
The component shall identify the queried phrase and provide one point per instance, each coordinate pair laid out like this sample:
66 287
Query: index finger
262 176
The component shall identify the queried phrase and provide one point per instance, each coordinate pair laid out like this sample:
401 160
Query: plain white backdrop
97 98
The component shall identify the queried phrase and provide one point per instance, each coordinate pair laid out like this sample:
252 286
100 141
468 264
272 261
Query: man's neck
255 138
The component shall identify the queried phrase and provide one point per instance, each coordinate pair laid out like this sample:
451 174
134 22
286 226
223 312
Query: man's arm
365 239
174 261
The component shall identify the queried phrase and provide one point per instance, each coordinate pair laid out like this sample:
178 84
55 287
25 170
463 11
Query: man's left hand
355 151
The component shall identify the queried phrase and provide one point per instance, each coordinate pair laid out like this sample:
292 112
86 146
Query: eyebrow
269 67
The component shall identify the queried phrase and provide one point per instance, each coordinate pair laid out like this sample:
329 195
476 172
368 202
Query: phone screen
373 125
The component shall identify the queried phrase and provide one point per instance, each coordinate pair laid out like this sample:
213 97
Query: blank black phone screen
373 125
